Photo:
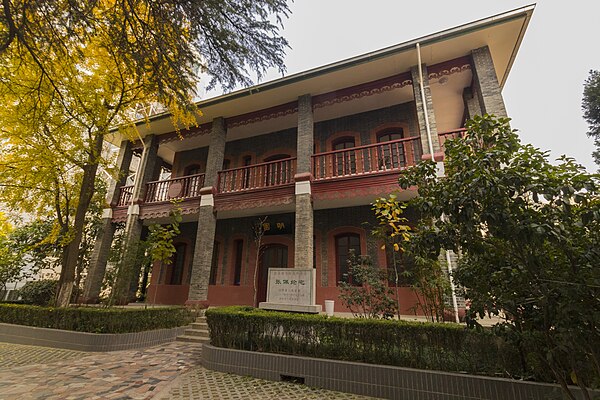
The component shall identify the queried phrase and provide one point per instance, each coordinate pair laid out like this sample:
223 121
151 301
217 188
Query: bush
96 320
446 347
40 293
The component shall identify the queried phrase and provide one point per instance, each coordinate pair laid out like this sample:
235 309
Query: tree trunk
67 273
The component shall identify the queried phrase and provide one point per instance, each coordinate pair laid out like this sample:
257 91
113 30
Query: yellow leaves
5 225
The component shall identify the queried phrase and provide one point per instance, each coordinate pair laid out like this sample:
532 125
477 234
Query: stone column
425 112
486 83
207 218
127 285
471 103
303 236
99 258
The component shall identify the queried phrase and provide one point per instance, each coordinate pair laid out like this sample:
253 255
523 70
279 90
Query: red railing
268 174
369 159
125 195
184 187
460 132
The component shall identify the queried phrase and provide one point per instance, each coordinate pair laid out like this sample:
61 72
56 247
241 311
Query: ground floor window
399 264
214 266
238 247
345 245
177 265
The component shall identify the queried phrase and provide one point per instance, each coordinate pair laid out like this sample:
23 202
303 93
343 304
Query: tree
258 231
393 232
70 70
591 109
529 235
368 296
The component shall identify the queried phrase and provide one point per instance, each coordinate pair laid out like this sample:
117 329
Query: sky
544 89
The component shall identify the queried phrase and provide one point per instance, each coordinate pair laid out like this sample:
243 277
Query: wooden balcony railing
369 159
125 195
268 174
184 187
460 132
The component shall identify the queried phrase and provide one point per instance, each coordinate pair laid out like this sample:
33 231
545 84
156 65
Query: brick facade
355 138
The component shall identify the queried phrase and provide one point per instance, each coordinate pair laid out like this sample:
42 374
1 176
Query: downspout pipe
431 152
424 99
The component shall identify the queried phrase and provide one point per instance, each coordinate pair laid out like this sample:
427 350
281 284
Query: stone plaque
289 286
291 289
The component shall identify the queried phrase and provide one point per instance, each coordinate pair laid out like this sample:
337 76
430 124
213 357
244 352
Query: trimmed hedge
39 293
96 320
446 347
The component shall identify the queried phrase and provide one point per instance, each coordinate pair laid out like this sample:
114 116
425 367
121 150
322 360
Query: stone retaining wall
84 341
375 380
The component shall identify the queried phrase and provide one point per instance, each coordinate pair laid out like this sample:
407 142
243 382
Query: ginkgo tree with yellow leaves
72 70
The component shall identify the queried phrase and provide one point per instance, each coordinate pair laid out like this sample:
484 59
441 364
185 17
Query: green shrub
446 347
40 293
96 320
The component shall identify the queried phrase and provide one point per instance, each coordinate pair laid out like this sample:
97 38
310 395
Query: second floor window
391 155
344 161
192 185
277 173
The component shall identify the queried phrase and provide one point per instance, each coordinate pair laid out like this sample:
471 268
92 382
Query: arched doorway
273 256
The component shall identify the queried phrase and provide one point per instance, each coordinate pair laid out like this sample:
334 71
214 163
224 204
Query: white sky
543 92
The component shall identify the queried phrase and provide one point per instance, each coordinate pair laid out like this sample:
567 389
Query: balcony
451 135
257 176
356 173
367 160
185 187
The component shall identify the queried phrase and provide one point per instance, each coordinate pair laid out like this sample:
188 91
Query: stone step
197 332
199 325
201 319
192 339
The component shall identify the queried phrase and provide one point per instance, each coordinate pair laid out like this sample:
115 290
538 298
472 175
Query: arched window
192 169
175 270
277 173
345 245
226 164
247 160
344 161
391 155
192 185
214 265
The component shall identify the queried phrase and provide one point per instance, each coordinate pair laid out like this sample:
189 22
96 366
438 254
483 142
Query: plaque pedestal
291 289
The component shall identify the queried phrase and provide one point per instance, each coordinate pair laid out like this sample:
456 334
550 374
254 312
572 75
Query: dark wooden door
273 256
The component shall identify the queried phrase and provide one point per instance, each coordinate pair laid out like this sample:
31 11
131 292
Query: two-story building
310 152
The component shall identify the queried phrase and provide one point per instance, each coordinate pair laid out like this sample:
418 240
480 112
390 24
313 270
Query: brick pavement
170 371
131 374
15 355
203 384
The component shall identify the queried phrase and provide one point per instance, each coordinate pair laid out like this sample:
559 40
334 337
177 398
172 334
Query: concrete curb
376 380
85 341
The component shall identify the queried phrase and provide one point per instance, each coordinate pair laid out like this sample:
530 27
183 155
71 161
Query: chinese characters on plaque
289 286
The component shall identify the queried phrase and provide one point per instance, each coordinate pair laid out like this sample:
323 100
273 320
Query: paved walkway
172 371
